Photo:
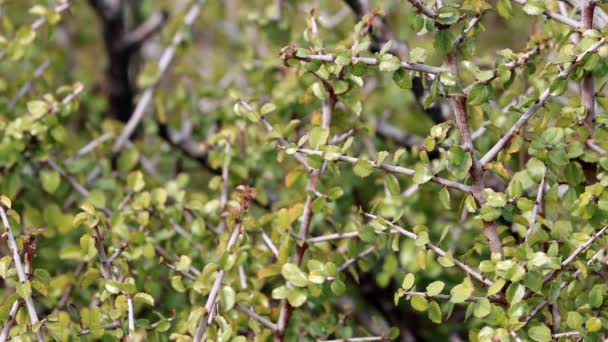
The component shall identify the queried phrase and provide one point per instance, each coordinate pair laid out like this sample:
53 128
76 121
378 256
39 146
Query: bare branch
588 84
537 203
12 315
28 85
134 39
422 8
264 321
163 65
555 16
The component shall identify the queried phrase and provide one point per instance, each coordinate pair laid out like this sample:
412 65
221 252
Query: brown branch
588 84
134 39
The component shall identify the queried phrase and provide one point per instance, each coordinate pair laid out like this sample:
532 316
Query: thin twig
215 289
493 152
326 58
537 203
393 169
163 65
436 249
29 303
38 23
12 315
253 315
25 88
555 16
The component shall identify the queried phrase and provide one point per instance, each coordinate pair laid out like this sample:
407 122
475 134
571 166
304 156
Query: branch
352 260
393 169
12 315
539 199
438 296
28 85
358 339
215 289
523 59
290 53
268 242
130 313
40 22
588 84
563 285
469 270
253 315
327 112
493 152
555 16
134 39
29 303
163 65
422 8
459 105
575 253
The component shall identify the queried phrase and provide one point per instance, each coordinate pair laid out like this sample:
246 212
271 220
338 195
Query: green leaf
444 39
574 320
408 282
37 108
482 308
459 162
294 275
50 180
24 289
296 297
403 79
435 288
593 324
392 184
417 55
5 264
460 293
540 333
363 168
596 295
504 8
389 63
434 312
144 298
319 91
515 293
317 137
447 15
478 95
534 7
343 57
444 198
422 175
419 303
338 287
496 287
558 86
228 297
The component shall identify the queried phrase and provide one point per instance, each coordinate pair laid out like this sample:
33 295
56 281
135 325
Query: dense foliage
303 170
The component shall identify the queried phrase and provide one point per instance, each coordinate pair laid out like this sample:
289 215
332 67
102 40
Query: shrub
235 170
